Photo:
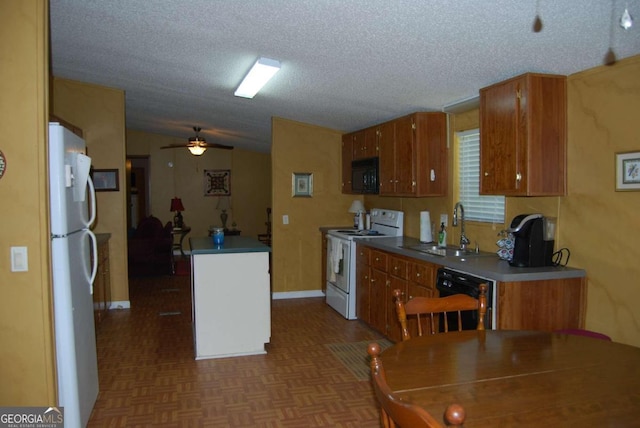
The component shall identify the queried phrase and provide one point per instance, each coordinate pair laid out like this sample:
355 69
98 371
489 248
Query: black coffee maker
534 240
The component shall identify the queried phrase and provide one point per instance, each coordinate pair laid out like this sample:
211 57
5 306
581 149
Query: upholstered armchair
150 248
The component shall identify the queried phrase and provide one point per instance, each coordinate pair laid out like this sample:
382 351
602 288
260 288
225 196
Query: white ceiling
346 64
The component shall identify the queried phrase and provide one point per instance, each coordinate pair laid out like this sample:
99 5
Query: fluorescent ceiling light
258 76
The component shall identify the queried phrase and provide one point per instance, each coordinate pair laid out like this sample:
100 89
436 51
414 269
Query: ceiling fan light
197 150
261 72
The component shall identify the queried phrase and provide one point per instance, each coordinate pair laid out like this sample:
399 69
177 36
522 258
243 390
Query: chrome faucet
464 241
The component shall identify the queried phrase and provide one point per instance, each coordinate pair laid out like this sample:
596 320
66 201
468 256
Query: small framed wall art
302 184
105 180
217 182
627 171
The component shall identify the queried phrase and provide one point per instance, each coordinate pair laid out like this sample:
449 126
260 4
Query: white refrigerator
73 207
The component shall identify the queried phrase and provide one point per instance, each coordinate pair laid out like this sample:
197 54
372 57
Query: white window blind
486 208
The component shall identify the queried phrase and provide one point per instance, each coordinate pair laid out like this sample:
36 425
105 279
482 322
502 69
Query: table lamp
176 205
358 208
223 205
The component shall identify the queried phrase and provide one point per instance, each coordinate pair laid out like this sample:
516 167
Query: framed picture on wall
627 171
105 180
217 182
302 184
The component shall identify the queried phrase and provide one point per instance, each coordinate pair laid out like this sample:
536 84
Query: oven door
338 259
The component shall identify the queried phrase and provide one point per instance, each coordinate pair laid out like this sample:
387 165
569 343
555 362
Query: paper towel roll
425 227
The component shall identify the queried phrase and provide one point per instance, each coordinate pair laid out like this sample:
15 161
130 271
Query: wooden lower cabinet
526 305
542 305
102 283
387 272
363 284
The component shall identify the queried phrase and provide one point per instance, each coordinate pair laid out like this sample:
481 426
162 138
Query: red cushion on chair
587 333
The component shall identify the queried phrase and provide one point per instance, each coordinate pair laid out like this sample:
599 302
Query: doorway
137 190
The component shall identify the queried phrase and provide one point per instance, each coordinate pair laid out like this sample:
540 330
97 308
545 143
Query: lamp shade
176 205
356 207
223 203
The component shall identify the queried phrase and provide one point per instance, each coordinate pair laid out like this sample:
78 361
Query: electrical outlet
285 219
444 218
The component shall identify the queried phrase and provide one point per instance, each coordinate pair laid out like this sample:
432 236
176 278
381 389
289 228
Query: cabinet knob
417 275
486 174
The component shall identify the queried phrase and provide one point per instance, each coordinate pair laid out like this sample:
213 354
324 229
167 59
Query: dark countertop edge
486 266
232 244
325 229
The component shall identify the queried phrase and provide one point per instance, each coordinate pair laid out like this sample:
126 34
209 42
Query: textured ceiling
346 64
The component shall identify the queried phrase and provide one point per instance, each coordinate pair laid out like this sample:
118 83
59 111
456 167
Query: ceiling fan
197 145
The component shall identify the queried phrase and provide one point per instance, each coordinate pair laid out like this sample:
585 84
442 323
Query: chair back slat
437 305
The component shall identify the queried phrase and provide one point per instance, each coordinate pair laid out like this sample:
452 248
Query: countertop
232 244
488 265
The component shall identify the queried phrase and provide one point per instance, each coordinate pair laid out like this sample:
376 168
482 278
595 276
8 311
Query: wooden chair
430 306
266 237
395 412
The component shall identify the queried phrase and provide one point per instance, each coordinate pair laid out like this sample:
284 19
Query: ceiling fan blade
218 146
175 146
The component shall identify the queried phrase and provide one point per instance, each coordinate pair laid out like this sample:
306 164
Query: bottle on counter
442 236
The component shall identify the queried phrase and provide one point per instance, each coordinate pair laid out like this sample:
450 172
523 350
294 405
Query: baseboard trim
296 294
123 304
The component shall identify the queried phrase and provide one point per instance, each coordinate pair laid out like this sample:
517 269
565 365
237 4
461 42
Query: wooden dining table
506 378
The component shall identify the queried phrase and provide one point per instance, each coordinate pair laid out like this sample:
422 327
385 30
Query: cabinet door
431 162
404 157
542 305
393 330
363 284
363 293
398 267
386 141
378 293
501 149
359 145
523 136
370 148
347 157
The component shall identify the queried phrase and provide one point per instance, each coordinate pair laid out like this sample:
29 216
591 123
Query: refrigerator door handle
94 264
92 206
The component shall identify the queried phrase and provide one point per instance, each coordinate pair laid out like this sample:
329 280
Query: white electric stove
341 257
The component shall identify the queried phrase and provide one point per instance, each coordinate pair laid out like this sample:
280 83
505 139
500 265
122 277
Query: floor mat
354 356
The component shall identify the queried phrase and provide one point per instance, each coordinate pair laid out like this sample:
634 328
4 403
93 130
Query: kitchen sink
448 251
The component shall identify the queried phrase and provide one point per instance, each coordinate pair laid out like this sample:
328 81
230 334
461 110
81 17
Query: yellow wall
27 362
298 147
99 112
175 172
599 225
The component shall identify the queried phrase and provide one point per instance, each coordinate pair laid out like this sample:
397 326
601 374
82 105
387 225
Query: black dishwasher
450 282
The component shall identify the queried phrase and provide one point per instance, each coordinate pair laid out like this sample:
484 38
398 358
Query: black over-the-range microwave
364 176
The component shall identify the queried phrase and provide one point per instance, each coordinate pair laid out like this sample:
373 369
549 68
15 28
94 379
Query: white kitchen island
231 297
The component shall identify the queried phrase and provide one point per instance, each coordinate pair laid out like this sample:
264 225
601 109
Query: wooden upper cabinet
347 157
365 143
412 152
523 136
387 168
413 156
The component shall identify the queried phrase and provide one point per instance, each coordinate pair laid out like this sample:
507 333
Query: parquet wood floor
149 377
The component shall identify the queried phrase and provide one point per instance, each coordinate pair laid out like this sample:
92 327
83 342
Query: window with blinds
486 208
